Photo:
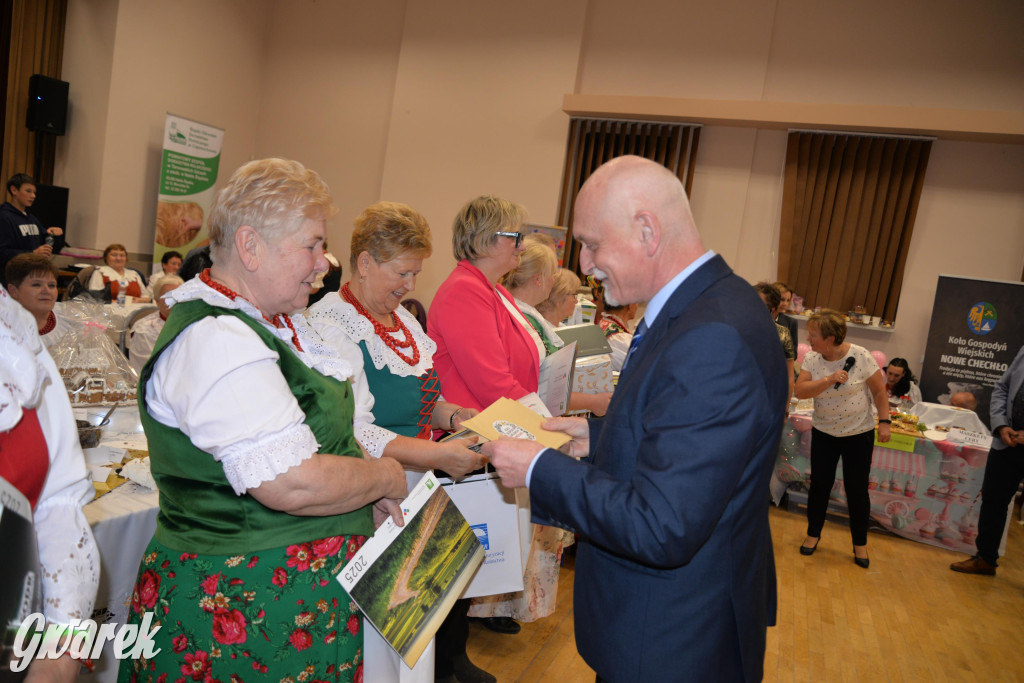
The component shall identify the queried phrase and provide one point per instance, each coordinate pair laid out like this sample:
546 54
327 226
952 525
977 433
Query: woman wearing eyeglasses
484 348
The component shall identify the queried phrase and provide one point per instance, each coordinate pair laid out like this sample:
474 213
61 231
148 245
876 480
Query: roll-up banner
976 330
188 173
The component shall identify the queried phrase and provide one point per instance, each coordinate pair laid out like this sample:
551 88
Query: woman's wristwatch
888 422
451 419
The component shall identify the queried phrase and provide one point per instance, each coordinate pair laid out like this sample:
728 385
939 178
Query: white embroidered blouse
68 556
342 327
221 386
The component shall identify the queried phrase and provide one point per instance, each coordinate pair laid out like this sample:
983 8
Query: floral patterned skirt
275 614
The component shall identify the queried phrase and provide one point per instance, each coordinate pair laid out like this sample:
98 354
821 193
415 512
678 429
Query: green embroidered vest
400 413
199 511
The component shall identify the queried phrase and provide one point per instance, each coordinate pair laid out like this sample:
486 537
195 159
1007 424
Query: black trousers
1003 473
855 452
451 639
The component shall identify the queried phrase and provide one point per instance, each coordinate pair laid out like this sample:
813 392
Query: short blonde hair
387 230
166 281
273 196
830 324
566 283
536 259
475 225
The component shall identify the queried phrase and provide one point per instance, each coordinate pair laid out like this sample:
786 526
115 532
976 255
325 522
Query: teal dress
403 405
239 590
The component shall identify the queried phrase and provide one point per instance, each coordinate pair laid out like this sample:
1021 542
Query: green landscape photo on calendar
406 579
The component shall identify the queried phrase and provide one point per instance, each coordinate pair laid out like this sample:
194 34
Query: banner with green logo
976 330
188 173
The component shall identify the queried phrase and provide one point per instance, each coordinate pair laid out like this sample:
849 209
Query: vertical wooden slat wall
592 142
848 209
36 47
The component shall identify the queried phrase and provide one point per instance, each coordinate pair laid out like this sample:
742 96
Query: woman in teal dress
264 493
398 405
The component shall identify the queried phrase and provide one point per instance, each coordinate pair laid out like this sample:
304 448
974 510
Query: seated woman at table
398 404
900 383
170 264
530 284
561 301
144 333
37 426
116 272
32 282
264 491
844 381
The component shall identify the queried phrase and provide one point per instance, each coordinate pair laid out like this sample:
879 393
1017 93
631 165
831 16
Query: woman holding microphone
844 381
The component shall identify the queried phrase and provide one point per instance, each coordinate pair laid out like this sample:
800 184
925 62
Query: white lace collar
549 330
333 310
21 374
314 354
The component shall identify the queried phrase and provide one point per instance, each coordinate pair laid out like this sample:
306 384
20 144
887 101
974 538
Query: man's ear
250 247
650 231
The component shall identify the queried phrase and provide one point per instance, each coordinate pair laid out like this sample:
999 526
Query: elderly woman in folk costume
398 401
264 492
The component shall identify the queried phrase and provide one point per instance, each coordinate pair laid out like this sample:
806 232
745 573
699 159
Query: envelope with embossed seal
509 418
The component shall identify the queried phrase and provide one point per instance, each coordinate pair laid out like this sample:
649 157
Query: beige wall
129 63
476 111
327 98
432 103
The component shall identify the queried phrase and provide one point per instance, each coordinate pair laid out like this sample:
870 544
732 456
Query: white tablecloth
123 522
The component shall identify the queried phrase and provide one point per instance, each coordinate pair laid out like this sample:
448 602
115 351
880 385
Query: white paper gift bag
493 514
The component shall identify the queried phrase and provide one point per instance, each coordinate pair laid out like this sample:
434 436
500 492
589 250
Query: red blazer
483 353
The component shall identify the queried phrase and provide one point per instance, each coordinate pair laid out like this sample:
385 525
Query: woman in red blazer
484 350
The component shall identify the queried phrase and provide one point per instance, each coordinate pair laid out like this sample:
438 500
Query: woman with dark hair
900 382
844 381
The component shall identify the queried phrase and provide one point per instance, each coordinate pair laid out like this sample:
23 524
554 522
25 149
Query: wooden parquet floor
907 618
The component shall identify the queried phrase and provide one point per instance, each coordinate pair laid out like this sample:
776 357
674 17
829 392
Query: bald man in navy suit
675 577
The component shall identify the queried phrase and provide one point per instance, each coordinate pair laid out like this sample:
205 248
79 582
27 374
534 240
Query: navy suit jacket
1001 404
675 577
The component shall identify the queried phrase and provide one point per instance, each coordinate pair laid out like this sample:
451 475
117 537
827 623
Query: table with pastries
924 487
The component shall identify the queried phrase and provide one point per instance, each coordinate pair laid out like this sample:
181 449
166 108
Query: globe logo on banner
981 319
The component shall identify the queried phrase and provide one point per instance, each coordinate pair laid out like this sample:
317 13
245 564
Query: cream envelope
506 417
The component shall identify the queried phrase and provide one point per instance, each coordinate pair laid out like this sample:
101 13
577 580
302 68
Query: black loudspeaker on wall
47 105
51 207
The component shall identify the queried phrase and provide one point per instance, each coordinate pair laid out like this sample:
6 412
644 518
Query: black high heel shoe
804 550
861 562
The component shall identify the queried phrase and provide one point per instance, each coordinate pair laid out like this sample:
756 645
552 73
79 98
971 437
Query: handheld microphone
846 368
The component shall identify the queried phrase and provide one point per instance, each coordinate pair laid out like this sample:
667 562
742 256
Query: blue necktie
641 329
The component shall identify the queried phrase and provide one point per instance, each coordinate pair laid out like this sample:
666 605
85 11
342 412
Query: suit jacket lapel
686 293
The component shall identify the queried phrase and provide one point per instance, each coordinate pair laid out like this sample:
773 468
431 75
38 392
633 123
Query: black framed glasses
517 235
